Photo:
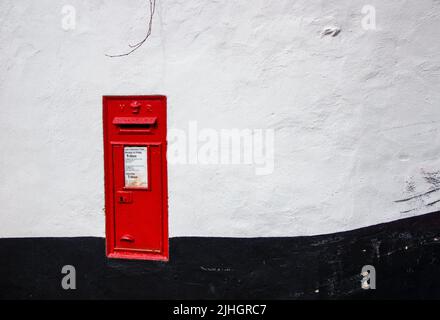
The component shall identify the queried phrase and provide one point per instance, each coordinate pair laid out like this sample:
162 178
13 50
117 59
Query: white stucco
356 115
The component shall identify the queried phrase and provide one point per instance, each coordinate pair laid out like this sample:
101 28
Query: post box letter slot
135 124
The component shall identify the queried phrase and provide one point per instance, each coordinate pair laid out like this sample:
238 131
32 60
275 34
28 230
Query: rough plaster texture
356 114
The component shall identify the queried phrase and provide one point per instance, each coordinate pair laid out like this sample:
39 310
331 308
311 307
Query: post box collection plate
135 171
135 167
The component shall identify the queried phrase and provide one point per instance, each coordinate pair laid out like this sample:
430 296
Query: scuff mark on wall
332 31
425 199
433 178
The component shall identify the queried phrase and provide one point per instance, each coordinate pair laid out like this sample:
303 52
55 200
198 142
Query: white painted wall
356 116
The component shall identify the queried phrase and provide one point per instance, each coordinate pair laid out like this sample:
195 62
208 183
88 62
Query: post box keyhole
124 197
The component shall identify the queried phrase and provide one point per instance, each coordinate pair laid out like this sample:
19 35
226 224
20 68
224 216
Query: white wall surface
356 116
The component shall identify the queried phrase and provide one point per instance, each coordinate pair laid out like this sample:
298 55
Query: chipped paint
429 181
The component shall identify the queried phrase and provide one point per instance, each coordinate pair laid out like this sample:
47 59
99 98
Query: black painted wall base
405 253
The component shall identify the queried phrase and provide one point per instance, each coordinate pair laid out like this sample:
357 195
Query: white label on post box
135 166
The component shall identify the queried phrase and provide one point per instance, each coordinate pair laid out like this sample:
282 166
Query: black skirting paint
405 253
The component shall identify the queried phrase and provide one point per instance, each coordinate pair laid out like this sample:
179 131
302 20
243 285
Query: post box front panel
136 177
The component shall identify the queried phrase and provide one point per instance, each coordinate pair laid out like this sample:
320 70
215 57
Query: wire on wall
136 46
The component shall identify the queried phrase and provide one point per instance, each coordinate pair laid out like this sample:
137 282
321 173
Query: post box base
137 256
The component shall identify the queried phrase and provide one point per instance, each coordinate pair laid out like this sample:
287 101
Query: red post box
135 169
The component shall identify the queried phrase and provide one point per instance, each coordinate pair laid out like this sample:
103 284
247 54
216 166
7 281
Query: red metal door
136 177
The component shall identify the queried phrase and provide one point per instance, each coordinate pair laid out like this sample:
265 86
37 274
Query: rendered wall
355 114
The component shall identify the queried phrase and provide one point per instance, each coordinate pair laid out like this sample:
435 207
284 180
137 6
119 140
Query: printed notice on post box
135 166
